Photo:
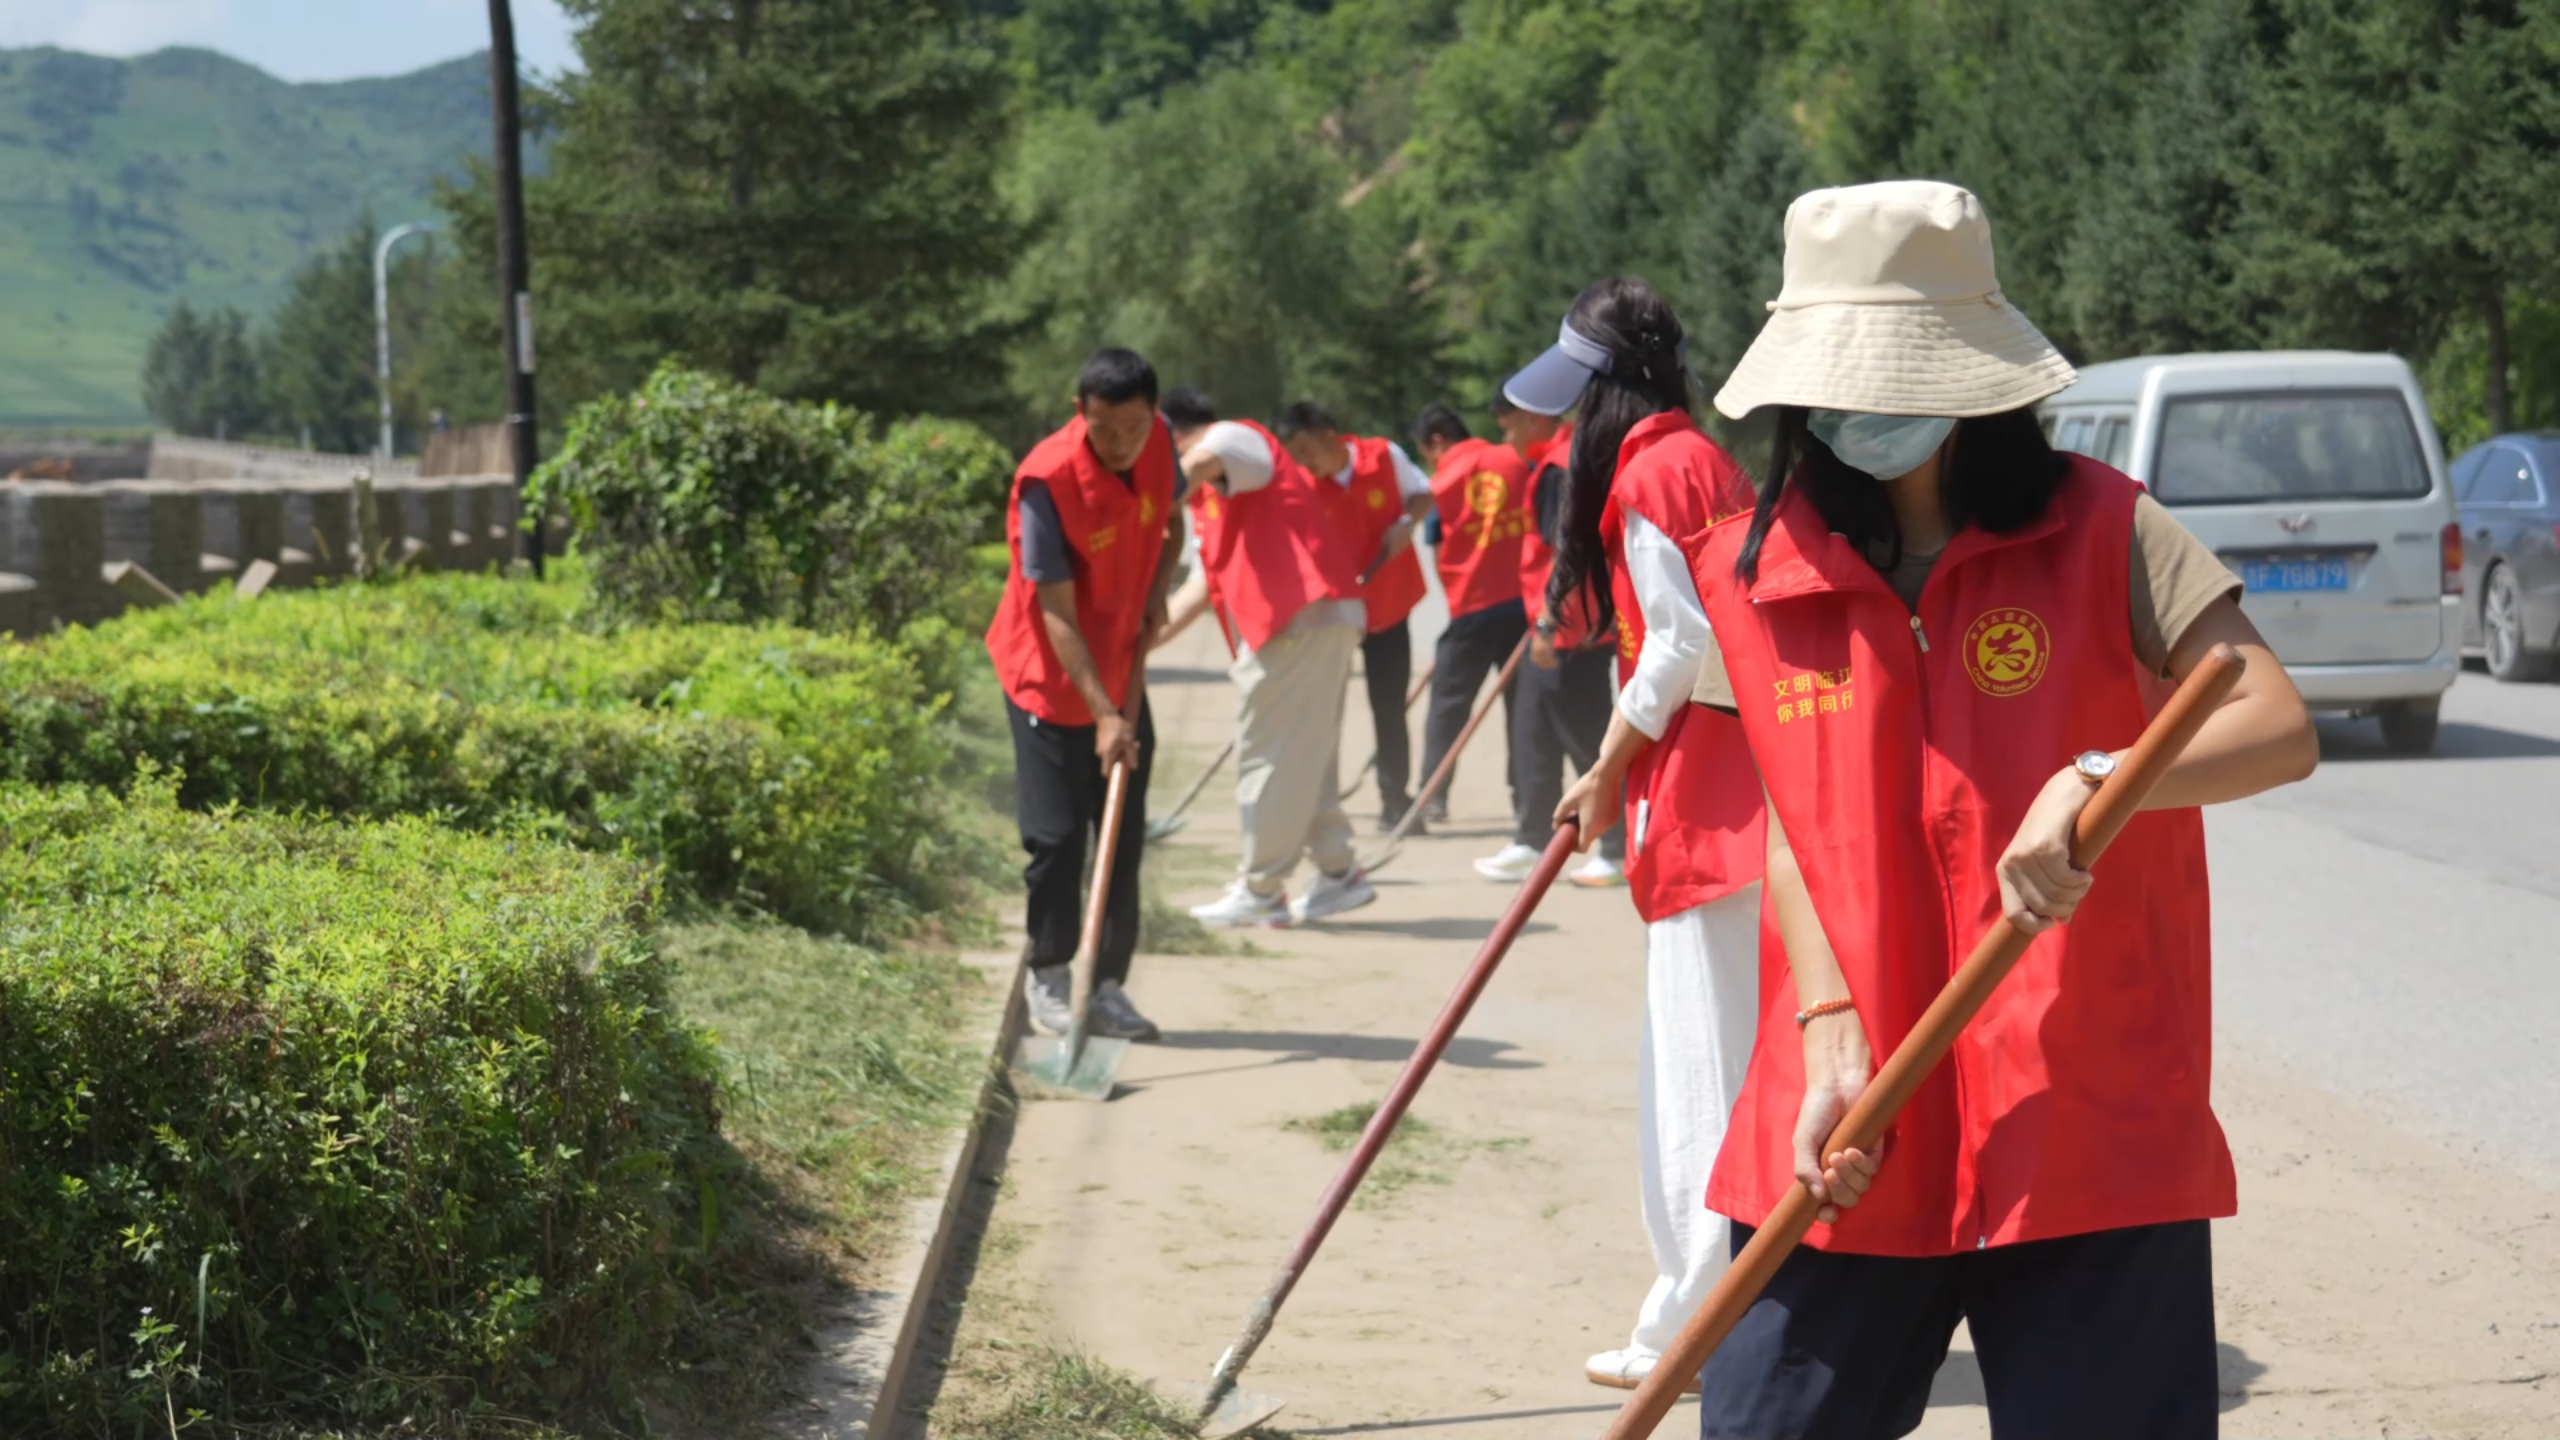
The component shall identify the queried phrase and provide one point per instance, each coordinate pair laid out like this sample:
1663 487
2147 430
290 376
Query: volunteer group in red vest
1825 725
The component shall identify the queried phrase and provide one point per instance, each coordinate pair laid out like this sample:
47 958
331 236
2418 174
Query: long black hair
2001 476
1646 377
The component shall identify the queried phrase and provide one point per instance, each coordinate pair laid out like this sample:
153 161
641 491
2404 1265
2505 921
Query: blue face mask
1885 446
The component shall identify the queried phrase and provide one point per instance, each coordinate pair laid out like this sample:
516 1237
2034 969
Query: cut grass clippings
1060 1395
1418 1153
1166 927
843 1069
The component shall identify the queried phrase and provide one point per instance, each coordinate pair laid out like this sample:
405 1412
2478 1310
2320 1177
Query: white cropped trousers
1702 1002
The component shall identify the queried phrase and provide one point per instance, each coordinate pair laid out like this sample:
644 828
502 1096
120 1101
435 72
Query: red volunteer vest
1538 558
1272 552
1694 827
1478 489
1115 532
1376 503
1902 752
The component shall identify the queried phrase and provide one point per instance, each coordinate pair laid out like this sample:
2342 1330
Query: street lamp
382 321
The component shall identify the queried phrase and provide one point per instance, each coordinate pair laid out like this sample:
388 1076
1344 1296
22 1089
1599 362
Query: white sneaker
1239 907
1334 895
1625 1369
1598 873
1511 865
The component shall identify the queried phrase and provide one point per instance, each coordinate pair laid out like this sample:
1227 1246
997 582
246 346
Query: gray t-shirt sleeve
1045 557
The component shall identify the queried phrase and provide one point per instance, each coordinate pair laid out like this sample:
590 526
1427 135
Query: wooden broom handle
2105 816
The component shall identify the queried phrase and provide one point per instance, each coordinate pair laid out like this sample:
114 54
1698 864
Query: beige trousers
1288 735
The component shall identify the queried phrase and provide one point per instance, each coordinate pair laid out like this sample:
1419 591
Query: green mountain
126 184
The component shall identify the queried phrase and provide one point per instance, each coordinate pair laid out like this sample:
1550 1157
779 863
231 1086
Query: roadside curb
866 1357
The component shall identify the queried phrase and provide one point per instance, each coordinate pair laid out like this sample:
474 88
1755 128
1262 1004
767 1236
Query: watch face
2096 764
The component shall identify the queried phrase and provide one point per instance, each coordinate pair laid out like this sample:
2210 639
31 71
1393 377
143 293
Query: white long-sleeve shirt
1676 634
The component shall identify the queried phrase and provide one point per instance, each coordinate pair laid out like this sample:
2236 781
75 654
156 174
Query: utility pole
515 282
382 321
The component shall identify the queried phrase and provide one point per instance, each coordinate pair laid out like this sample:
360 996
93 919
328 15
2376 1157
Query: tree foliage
795 194
2186 175
200 376
941 206
698 499
311 370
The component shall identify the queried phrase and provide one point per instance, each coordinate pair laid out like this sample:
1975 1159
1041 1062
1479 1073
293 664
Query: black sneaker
1110 1015
1436 813
1389 817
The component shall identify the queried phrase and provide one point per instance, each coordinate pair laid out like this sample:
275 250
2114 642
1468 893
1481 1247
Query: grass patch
1165 928
1418 1153
1060 1395
842 1069
837 1061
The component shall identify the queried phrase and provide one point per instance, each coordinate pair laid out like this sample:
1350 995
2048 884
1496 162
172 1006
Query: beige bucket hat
1891 307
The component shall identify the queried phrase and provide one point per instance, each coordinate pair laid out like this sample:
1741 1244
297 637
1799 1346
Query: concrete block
57 533
159 525
496 522
318 530
243 522
138 588
21 609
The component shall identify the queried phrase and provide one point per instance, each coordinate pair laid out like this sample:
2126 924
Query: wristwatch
2094 766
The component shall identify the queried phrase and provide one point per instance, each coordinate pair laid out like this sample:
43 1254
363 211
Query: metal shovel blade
1159 829
1054 1071
1238 1412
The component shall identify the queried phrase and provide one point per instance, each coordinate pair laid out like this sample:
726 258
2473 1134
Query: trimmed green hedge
351 1122
792 772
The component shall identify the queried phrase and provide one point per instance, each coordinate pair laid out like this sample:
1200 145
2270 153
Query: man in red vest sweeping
1476 490
1389 495
1092 531
1285 583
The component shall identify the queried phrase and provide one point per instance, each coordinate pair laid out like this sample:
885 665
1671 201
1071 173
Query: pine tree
2409 170
176 372
316 354
795 193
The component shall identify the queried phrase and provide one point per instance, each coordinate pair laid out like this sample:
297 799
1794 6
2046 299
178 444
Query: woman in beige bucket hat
1927 615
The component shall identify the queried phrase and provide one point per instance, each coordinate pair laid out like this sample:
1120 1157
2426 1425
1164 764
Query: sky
293 39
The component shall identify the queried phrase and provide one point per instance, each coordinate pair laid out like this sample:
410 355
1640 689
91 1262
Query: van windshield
2289 445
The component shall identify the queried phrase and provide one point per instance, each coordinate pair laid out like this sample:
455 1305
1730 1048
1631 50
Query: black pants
1563 714
2104 1336
1386 661
1474 646
1058 789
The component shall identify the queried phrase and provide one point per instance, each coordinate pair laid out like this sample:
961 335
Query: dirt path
2372 1285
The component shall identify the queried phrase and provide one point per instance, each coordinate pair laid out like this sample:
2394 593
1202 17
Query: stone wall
37 459
183 457
64 544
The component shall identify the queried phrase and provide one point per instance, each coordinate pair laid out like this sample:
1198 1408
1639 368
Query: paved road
2390 930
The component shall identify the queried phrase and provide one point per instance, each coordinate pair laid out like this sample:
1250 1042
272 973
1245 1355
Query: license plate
2327 572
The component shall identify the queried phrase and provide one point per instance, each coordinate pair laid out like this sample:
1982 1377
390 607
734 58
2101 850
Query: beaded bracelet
1811 1013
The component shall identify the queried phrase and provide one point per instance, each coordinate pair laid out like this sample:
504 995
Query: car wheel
2409 726
2502 630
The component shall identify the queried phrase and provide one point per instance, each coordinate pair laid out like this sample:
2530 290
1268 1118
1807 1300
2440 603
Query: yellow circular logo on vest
2006 651
1377 499
1146 510
1486 493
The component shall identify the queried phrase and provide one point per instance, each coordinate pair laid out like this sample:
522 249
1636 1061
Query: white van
2317 476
